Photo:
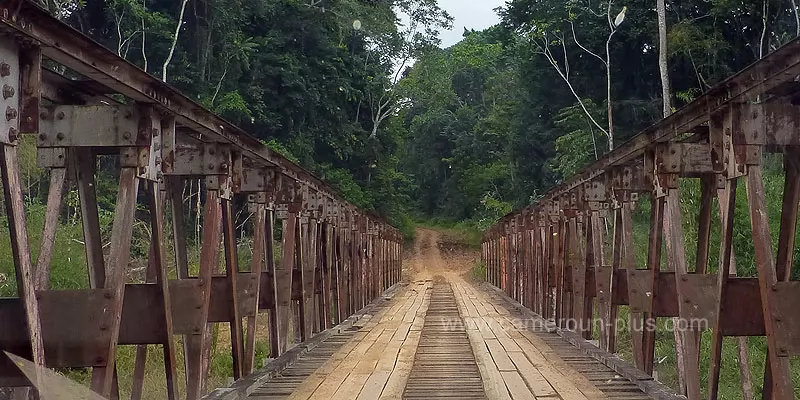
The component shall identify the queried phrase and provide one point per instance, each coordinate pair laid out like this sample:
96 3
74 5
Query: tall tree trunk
174 41
796 17
764 20
608 97
144 35
666 99
666 94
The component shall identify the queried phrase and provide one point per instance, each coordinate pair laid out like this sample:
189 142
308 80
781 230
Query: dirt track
428 262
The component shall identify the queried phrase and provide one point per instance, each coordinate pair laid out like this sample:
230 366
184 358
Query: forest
373 104
415 131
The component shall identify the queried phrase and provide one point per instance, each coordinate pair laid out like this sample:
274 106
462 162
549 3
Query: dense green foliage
313 79
404 127
491 122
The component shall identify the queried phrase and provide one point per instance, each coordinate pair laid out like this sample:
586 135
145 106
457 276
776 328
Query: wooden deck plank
402 369
370 359
516 386
500 356
536 382
444 365
374 385
513 358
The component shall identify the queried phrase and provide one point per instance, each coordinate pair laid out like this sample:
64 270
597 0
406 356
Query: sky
472 14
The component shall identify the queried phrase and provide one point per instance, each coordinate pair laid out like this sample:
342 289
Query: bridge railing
334 258
571 257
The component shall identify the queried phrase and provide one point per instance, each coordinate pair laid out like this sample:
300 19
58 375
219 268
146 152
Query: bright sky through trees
470 14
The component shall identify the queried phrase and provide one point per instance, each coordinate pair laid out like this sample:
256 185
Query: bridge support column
21 68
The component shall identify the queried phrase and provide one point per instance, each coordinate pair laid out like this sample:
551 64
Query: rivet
8 91
60 136
42 137
5 69
103 327
126 135
60 115
13 134
685 278
99 360
774 287
107 295
43 115
11 113
211 166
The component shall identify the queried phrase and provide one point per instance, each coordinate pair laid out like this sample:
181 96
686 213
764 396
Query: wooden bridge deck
384 357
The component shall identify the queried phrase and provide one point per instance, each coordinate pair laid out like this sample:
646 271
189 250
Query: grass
478 272
69 271
463 232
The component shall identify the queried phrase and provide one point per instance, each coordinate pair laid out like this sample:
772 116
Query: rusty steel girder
563 268
334 258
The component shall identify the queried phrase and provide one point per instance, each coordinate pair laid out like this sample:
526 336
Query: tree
460 102
62 8
663 55
419 35
548 29
178 27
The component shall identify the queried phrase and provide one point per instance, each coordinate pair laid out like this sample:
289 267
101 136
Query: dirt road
428 262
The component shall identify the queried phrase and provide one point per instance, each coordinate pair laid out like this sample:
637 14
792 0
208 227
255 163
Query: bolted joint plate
197 160
99 125
332 211
686 159
52 157
149 142
282 211
9 88
252 180
314 203
289 191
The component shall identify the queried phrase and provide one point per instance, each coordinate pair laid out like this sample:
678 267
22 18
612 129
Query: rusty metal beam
337 255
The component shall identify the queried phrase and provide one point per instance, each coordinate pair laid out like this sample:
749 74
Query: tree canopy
375 106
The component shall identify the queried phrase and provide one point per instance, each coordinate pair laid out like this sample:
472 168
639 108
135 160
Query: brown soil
434 256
